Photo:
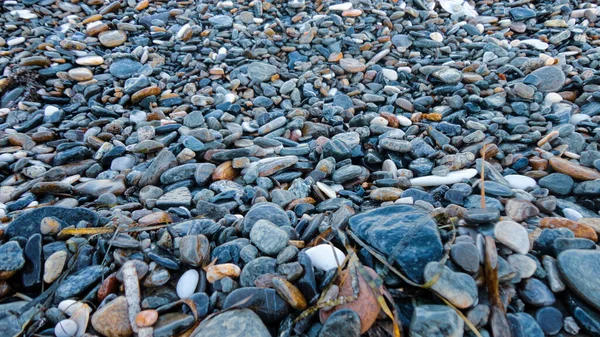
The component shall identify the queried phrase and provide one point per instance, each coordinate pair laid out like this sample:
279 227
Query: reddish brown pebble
366 305
146 318
109 286
580 230
573 170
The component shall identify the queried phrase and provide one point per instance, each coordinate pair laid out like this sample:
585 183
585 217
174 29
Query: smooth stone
341 323
267 211
519 210
267 237
449 179
458 288
579 269
12 259
573 170
29 222
323 256
77 283
194 250
534 292
384 228
187 283
163 161
65 328
265 302
113 319
54 265
172 324
256 268
512 235
232 323
525 265
530 326
550 320
32 270
261 71
112 38
520 182
124 68
435 320
557 183
552 77
466 256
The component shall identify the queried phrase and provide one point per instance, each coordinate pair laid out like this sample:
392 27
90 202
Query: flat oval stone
384 228
187 283
265 302
552 78
112 38
29 223
579 269
512 235
256 268
232 323
267 211
341 323
458 288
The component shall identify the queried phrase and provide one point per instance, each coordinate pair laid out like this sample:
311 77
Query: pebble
512 235
325 257
234 323
435 320
230 143
187 283
65 328
577 268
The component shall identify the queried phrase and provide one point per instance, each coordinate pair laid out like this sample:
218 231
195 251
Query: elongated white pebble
451 178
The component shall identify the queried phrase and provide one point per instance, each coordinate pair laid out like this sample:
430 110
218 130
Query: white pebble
390 74
404 121
6 158
322 256
452 178
50 109
15 41
186 286
379 121
65 328
571 214
23 14
521 182
69 306
389 166
405 200
436 36
553 97
535 43
341 7
328 191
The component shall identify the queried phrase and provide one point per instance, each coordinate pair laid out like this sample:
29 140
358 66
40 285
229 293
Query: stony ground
289 168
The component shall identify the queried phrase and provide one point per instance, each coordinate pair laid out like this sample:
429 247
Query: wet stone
234 323
385 227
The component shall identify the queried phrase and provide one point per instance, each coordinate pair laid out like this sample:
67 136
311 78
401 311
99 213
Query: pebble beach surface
291 168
